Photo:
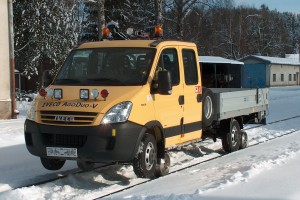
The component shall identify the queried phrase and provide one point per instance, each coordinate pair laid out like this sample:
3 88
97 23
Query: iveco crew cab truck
130 101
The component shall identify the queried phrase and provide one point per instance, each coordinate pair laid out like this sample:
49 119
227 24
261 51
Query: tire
52 164
144 164
244 140
231 139
163 168
264 121
208 110
85 166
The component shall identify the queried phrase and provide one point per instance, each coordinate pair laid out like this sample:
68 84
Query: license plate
62 152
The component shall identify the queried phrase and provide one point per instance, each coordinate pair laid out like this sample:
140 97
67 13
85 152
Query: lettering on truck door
169 108
192 96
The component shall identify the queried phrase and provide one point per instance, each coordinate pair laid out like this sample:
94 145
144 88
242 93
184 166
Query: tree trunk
101 17
158 12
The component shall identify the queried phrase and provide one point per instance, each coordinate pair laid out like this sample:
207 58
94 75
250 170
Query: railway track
78 171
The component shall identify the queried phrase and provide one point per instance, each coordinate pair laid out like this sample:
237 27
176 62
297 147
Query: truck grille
68 117
64 140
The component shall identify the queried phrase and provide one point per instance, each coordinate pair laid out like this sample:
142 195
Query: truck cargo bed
232 102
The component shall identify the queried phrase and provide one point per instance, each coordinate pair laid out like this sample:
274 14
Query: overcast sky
280 5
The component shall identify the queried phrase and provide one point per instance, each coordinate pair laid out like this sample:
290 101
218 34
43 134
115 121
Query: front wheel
52 164
163 167
231 140
144 163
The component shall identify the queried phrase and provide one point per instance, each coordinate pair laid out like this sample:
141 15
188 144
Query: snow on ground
269 170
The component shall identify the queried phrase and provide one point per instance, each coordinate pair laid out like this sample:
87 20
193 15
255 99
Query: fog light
84 94
50 92
95 93
58 93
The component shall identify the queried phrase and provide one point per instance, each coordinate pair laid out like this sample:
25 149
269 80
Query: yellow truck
130 101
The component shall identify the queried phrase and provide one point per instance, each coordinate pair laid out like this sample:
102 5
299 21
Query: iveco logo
64 118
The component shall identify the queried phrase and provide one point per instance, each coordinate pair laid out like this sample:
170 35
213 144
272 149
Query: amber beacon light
158 31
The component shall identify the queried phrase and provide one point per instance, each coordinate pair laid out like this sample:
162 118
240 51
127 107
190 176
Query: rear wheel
52 164
244 140
231 140
163 167
144 163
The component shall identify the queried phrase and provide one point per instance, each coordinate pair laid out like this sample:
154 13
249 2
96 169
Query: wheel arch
226 124
239 119
155 128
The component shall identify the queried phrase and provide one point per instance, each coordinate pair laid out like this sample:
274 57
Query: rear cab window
190 67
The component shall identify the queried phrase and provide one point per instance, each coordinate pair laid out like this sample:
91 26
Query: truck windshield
106 66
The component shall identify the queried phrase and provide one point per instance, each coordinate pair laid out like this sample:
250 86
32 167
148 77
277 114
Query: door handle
181 100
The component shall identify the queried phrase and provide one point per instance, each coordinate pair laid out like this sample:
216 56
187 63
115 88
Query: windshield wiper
67 80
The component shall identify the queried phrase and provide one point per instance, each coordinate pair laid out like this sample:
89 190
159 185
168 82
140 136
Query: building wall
5 96
284 75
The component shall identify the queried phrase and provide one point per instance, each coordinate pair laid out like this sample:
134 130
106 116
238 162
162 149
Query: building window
294 77
290 77
274 77
282 77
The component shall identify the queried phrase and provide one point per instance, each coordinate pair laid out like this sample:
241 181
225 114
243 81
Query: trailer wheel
208 110
232 139
85 166
163 167
144 164
52 164
244 140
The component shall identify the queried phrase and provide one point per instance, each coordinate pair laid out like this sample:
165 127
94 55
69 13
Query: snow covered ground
268 169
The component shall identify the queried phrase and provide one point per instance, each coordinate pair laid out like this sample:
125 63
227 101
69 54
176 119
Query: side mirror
164 82
46 79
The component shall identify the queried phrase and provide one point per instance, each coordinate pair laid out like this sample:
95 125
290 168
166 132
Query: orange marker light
158 31
105 32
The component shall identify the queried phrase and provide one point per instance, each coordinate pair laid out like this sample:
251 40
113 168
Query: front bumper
93 143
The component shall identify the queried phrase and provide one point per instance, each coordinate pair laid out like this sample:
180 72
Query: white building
264 71
5 94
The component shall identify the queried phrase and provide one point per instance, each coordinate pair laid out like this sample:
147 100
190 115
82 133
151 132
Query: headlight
31 111
118 113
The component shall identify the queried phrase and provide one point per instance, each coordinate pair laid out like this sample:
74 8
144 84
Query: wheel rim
149 156
207 107
234 135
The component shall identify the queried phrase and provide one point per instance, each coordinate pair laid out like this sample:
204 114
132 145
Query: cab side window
190 67
169 61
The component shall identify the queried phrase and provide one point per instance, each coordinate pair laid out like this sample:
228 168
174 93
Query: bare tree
159 12
101 17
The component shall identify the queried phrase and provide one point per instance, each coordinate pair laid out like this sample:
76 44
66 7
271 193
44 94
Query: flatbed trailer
232 102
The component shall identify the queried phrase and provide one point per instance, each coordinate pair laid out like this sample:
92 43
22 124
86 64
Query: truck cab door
192 92
169 107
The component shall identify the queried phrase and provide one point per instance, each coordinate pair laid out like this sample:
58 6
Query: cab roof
134 43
